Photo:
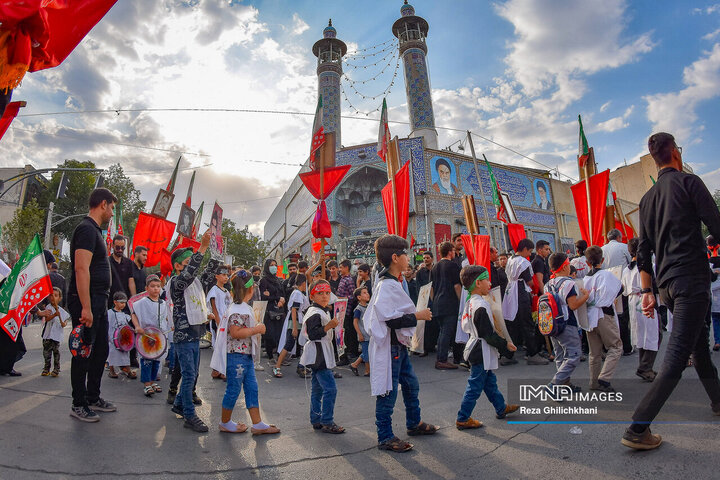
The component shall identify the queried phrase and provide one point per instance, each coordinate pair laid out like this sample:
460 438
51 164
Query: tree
26 222
124 189
76 196
248 249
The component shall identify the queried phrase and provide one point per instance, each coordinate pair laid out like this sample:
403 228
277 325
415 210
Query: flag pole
394 157
587 193
477 175
322 198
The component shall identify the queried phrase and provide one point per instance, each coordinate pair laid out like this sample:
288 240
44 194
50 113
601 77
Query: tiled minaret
330 51
411 31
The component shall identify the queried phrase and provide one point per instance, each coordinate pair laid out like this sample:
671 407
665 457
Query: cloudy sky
516 72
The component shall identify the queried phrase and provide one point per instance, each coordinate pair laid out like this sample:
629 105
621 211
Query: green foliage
124 189
26 222
246 248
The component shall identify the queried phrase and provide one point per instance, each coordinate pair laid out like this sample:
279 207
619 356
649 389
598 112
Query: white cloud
299 26
605 105
674 112
712 180
707 10
712 35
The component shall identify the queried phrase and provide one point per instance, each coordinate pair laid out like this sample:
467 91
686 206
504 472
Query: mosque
438 177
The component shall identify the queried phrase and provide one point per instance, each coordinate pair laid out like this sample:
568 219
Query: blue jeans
480 380
171 356
240 373
568 350
322 398
716 326
403 374
149 370
188 356
365 351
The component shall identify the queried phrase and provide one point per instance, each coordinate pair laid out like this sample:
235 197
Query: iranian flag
27 285
318 132
583 150
499 206
383 133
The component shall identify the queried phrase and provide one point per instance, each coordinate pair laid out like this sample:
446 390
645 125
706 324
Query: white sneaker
259 368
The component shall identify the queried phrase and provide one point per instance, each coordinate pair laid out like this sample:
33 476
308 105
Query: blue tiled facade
417 88
329 88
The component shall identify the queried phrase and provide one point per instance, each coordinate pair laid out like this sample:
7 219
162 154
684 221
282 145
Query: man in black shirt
541 270
88 292
432 329
498 277
458 245
121 268
445 293
423 273
670 216
139 274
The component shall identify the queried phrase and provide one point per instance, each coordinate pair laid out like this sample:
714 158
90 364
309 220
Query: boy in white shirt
54 320
150 311
219 299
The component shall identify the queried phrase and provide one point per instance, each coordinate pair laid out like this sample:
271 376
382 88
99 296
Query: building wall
20 194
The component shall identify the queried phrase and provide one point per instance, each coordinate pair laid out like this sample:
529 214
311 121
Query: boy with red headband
319 356
566 344
390 319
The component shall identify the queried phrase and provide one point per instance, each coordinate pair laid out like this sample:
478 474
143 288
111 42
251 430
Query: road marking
24 405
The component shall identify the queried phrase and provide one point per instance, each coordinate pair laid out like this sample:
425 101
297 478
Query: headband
483 276
181 257
320 287
565 263
243 274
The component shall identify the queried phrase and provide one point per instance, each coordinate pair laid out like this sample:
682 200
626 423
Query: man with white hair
615 253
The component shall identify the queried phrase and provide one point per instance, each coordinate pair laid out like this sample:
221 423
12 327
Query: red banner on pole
11 112
155 234
402 188
598 203
479 253
516 232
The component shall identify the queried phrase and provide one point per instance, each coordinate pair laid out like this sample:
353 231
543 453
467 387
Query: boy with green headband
481 350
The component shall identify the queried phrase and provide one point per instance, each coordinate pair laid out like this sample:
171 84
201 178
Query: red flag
333 177
479 253
402 188
318 132
316 246
166 266
321 223
412 240
39 34
154 233
598 204
383 133
516 232
11 112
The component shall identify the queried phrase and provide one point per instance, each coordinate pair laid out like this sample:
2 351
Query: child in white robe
644 331
289 338
390 319
218 299
150 311
54 320
603 327
117 359
481 350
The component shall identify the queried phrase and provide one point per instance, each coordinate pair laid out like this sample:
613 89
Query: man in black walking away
670 216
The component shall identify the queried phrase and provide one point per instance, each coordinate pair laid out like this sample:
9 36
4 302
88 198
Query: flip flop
265 431
240 428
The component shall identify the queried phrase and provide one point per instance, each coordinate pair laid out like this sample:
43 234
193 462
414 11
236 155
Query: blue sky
518 72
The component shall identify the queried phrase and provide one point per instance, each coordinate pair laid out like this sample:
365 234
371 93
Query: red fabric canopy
598 203
402 189
10 113
333 177
516 232
46 31
321 223
479 253
155 234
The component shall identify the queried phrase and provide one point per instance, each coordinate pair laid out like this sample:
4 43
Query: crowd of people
598 304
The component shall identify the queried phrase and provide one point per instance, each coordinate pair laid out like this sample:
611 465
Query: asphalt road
38 438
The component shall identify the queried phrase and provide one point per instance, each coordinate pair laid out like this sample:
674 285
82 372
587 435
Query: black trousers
432 332
86 373
624 321
350 337
688 298
524 327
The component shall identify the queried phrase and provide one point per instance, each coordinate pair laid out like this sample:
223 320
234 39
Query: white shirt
223 299
151 313
54 329
615 254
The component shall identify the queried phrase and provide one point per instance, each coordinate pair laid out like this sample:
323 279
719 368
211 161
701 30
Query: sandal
129 374
265 431
354 370
277 373
156 387
423 429
395 445
317 426
149 391
334 428
239 428
113 374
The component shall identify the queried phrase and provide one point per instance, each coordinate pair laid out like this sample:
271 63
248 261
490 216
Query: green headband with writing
483 276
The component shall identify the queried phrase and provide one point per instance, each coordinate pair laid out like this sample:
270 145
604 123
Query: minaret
412 30
330 51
